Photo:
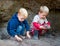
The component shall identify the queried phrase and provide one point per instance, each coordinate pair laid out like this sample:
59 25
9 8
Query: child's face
21 17
43 15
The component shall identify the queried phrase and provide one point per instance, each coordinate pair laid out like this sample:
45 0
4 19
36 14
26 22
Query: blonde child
17 25
40 24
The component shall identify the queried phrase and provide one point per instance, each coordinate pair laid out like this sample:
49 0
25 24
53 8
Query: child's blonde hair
23 12
44 9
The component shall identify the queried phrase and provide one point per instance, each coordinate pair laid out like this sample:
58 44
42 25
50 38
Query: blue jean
20 30
35 34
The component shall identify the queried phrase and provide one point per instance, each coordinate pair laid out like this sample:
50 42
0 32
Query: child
17 24
40 24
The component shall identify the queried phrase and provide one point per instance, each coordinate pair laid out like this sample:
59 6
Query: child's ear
19 13
38 12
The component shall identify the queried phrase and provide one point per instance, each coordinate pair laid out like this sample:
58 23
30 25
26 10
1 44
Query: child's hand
47 26
18 38
42 27
28 35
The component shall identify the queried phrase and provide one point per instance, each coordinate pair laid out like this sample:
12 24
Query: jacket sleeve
27 26
36 25
35 22
11 27
48 23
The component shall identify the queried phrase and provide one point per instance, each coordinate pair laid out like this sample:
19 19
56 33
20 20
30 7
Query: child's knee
20 27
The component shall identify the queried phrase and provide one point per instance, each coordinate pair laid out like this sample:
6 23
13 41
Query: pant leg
35 36
40 32
20 30
35 33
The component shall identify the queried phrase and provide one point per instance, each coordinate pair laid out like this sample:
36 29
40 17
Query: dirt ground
43 41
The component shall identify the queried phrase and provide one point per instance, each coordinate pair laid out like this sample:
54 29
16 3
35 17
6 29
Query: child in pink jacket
40 24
